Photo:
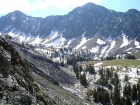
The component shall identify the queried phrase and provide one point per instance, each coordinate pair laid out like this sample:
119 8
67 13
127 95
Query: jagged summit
133 11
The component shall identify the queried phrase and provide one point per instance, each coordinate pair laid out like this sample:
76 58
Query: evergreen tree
138 89
77 74
80 68
126 78
91 69
125 91
109 74
87 68
83 80
102 58
138 102
129 90
101 95
134 92
119 57
128 101
62 64
116 95
95 95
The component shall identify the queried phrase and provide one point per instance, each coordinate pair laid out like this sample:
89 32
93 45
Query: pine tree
138 102
77 74
126 78
129 90
83 80
138 89
134 92
91 69
125 91
128 101
116 95
87 68
95 95
116 78
80 68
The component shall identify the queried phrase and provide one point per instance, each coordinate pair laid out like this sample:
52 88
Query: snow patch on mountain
83 41
27 39
125 41
12 34
112 45
36 40
21 38
53 35
13 17
100 42
49 44
95 49
129 49
62 40
59 41
104 49
69 42
137 44
84 47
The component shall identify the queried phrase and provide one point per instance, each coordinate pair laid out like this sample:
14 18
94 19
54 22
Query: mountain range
42 60
89 27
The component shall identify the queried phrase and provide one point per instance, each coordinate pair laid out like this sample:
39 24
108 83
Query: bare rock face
17 87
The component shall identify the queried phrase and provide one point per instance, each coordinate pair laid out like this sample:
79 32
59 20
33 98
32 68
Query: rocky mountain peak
133 11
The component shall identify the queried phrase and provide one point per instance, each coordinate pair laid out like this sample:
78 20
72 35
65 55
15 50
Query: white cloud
64 4
7 6
11 5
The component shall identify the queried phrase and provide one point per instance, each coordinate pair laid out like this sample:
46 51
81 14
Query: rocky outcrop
17 85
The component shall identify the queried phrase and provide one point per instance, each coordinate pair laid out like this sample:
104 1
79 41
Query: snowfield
137 44
111 47
104 49
83 41
125 41
100 46
95 49
100 42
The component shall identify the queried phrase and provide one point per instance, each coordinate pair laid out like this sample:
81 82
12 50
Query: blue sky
44 8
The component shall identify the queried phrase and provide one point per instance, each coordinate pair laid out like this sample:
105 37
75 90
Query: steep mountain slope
17 85
43 66
90 27
30 78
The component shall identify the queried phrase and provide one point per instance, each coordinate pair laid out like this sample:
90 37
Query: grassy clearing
122 62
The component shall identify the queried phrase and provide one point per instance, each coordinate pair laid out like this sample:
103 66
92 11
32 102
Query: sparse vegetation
122 62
